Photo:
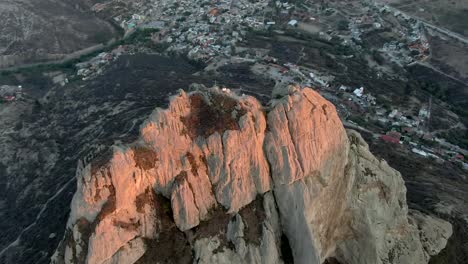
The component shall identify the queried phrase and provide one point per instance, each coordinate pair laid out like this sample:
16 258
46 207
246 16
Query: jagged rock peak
219 178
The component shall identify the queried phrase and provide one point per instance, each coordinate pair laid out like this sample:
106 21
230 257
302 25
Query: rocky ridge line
218 178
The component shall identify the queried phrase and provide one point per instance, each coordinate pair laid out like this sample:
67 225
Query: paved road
445 31
67 58
432 26
348 124
72 56
440 30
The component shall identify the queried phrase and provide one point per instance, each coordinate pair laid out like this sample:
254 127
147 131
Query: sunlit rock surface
219 178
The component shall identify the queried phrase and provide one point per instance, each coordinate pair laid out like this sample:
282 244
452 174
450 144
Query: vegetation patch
369 172
171 245
205 163
101 161
181 177
253 216
145 158
216 226
107 209
214 113
86 229
126 225
144 198
193 163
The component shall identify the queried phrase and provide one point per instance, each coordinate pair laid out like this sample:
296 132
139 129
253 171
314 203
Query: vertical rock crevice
215 178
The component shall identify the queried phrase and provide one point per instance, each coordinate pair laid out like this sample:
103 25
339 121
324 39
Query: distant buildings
293 23
390 139
419 152
359 92
424 113
10 93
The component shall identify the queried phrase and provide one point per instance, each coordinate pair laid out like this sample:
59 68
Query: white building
293 23
424 113
420 152
393 113
359 92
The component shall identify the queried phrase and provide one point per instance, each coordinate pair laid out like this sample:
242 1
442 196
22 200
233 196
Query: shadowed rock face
217 178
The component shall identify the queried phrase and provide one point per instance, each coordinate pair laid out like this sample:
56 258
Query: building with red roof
390 139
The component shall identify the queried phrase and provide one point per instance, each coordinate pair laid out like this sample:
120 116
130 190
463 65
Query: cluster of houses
408 125
202 31
209 31
402 128
128 17
415 46
412 44
10 93
132 23
95 66
356 98
408 130
439 152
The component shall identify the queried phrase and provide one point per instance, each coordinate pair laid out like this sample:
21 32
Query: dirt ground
450 14
312 28
33 31
450 56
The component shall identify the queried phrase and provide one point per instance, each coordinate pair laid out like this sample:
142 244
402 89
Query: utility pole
300 57
429 114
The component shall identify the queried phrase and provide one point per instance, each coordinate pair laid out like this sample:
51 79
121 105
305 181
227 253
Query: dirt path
44 207
436 70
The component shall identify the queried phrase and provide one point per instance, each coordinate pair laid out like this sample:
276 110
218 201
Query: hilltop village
236 32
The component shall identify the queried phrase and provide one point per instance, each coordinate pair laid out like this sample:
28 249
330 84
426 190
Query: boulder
219 178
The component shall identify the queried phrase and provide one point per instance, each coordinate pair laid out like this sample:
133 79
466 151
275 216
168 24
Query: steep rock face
216 178
253 236
211 137
307 147
380 229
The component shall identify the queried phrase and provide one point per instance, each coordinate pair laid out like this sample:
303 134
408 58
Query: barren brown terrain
452 15
34 31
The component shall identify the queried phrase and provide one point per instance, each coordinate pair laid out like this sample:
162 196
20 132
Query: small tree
343 24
